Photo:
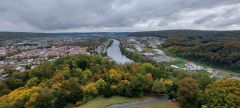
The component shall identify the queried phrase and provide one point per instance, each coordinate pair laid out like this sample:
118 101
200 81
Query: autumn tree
113 76
90 90
223 94
73 89
100 85
187 92
148 81
159 86
32 82
136 86
122 87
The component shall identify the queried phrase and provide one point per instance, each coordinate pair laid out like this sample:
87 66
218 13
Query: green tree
73 89
13 83
159 86
203 79
187 92
3 89
43 100
223 94
32 82
148 81
100 85
136 86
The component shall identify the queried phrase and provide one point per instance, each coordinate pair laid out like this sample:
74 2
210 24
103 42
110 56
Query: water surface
115 53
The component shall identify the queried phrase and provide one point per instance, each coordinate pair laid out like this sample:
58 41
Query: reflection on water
115 53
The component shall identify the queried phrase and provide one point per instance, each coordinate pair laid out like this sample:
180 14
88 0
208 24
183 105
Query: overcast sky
118 15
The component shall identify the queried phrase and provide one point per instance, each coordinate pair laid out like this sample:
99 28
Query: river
115 53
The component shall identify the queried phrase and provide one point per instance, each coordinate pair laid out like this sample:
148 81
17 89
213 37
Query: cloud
117 15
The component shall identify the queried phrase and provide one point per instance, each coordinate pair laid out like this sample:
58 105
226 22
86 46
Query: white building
209 70
21 69
174 66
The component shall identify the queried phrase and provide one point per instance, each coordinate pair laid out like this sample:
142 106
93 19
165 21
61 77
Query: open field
180 62
177 62
101 102
163 104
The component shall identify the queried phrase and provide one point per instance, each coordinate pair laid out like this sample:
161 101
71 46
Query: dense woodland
216 48
74 80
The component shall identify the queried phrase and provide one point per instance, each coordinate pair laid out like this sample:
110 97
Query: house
209 70
21 69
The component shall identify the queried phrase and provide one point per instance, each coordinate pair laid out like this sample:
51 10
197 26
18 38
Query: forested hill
74 80
27 35
216 48
188 33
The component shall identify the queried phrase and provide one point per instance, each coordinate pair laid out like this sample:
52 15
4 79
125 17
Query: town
19 55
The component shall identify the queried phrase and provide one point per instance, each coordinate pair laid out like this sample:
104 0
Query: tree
44 99
82 63
21 97
32 82
223 94
90 90
136 86
146 68
113 76
172 90
13 83
73 89
3 89
122 87
100 85
159 86
203 79
148 81
187 92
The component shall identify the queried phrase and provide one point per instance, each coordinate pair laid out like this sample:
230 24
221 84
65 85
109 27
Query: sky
118 15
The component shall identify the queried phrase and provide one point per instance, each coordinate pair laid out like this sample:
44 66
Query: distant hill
215 48
27 35
167 33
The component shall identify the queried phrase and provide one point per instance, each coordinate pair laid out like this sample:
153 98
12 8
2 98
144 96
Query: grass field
101 102
177 62
180 62
163 104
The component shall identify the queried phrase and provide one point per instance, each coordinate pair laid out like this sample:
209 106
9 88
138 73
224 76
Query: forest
214 48
73 80
223 52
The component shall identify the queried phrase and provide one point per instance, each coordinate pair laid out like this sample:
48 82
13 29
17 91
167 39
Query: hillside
29 35
215 48
74 80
